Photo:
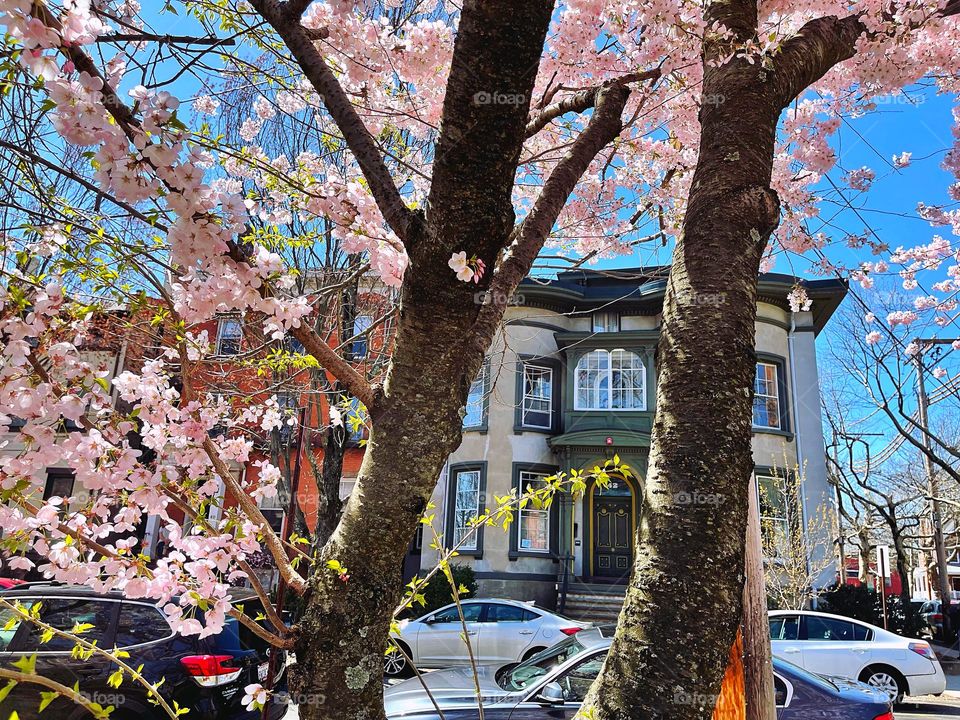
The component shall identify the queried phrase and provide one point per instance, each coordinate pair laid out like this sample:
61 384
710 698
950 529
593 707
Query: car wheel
395 663
530 653
886 679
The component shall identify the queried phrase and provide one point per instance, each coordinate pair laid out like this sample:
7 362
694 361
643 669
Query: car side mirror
551 693
429 620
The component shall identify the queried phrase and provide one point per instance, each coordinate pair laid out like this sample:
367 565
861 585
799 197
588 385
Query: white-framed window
229 335
475 415
610 380
774 518
533 523
537 403
766 397
360 346
466 507
606 322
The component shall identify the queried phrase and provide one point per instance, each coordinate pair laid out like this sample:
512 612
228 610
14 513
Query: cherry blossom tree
446 146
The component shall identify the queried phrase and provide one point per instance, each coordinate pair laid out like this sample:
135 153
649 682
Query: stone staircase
594 602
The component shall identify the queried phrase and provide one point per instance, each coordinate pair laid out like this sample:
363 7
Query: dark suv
205 675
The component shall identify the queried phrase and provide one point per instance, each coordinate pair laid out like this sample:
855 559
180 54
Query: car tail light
922 648
937 617
570 631
210 670
886 716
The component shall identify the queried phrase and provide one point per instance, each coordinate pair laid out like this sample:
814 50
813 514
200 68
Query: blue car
552 684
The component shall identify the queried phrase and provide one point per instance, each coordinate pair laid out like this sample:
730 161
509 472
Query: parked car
932 618
842 647
499 631
207 675
552 684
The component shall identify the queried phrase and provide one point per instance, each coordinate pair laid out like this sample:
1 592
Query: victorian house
571 381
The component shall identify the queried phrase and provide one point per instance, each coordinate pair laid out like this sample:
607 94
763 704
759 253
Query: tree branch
820 45
604 126
580 101
300 43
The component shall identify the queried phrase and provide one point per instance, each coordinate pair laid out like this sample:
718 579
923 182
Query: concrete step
598 607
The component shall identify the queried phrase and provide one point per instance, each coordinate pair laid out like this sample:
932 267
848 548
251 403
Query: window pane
361 323
537 396
766 398
780 691
592 381
820 628
466 507
628 380
140 624
576 682
475 400
6 634
471 613
504 613
229 333
533 523
606 322
63 614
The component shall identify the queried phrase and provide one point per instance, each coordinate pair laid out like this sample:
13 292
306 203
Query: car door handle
859 651
526 632
471 632
791 651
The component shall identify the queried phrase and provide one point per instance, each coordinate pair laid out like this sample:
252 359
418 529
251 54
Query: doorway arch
610 517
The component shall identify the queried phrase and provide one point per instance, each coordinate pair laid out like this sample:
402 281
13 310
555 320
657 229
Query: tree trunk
417 416
687 582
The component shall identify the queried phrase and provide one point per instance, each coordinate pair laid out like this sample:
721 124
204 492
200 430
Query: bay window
610 380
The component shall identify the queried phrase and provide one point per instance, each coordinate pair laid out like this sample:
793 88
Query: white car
499 631
839 646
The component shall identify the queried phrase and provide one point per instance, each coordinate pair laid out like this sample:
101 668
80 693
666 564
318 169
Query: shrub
854 601
438 592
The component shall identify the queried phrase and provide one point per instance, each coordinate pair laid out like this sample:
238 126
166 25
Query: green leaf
5 690
46 698
27 664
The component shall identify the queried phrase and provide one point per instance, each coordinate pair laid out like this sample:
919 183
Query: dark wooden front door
612 536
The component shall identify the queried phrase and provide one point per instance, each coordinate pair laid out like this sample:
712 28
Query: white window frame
540 369
765 397
605 321
463 527
222 323
480 401
608 374
783 522
531 478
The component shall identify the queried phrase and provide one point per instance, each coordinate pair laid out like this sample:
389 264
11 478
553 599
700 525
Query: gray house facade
571 381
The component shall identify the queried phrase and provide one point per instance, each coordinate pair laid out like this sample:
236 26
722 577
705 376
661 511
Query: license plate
262 670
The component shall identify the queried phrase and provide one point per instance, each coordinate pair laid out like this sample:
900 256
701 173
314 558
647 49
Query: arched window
610 380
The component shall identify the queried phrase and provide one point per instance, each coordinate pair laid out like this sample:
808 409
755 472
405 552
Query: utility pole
935 518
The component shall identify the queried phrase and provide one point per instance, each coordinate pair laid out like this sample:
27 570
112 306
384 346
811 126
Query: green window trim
556 385
552 551
454 471
783 397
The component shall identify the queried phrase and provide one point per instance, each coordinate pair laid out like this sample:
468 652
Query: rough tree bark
682 591
416 416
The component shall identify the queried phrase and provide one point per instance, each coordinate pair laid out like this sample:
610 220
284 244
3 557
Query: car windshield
526 673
